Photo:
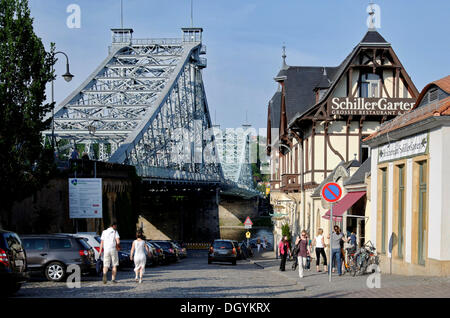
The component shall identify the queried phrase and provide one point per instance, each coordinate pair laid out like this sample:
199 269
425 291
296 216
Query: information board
85 198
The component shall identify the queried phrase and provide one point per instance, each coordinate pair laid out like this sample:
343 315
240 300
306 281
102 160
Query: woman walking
319 243
284 251
140 250
303 252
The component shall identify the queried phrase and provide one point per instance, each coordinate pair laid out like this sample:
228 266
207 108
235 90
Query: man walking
110 244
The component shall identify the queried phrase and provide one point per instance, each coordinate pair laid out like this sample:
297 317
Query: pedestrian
264 242
284 251
303 252
319 244
85 156
258 244
139 251
74 155
110 245
336 238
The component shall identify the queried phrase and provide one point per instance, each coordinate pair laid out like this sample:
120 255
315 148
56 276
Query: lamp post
67 77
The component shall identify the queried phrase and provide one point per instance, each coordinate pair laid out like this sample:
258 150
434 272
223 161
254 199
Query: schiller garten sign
370 106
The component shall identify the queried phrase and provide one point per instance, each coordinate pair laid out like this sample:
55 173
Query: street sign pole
331 255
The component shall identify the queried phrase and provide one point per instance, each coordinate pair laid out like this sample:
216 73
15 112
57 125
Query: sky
244 40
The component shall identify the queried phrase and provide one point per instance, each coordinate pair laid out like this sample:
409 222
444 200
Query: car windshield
98 238
223 244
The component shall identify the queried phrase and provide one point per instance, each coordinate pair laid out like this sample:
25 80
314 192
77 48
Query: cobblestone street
193 277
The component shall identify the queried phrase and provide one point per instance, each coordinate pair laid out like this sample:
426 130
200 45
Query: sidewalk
316 284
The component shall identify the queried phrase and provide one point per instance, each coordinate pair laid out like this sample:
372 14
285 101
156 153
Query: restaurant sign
370 106
413 146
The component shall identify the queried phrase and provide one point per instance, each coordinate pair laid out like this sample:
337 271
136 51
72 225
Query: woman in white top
319 243
140 250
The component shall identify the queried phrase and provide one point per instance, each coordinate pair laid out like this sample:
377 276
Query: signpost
331 192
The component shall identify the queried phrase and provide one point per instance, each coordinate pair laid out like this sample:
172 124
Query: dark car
169 250
157 252
222 251
13 263
52 253
182 252
125 247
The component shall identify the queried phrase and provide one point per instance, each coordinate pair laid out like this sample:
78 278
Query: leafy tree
286 231
25 69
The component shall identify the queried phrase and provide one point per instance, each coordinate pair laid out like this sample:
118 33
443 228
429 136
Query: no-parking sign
331 192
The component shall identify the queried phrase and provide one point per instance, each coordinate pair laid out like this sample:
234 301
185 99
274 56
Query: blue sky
244 40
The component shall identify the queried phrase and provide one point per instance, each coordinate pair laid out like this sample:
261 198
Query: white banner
85 198
407 147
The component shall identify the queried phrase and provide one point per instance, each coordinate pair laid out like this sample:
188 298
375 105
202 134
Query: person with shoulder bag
302 254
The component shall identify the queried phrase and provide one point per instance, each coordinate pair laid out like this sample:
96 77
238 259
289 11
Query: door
37 251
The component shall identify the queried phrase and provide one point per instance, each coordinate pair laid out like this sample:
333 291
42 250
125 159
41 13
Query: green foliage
286 231
25 69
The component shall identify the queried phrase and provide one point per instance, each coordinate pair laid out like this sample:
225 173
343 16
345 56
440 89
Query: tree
286 231
25 69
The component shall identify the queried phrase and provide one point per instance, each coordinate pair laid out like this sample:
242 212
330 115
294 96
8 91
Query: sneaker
104 279
114 281
140 281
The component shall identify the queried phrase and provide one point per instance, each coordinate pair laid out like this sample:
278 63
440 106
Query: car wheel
55 272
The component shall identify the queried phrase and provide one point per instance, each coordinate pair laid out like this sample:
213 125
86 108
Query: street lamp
67 77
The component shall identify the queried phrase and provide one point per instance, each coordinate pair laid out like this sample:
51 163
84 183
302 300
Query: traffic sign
248 223
331 192
247 235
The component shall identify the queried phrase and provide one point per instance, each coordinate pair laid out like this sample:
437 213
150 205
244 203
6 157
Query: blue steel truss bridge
145 105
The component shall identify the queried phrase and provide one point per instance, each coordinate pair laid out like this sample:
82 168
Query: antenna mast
192 13
121 14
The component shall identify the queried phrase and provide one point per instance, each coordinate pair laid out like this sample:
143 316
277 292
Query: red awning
343 205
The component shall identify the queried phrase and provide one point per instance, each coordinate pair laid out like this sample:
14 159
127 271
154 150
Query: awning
343 205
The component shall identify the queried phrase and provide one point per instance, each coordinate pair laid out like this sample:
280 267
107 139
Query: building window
401 209
370 85
383 209
422 211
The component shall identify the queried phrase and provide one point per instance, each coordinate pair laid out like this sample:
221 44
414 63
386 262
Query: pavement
316 284
259 277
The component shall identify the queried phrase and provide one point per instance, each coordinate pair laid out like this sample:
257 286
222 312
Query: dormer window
370 86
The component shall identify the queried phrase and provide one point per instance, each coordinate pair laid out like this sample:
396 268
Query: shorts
110 256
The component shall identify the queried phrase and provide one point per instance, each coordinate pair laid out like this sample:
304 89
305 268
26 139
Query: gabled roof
371 38
440 107
360 175
299 87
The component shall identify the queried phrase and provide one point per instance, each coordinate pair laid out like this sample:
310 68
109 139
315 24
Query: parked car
222 251
52 253
169 249
125 247
13 263
182 252
92 238
253 244
159 252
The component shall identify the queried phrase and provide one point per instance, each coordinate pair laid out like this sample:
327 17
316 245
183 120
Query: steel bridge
145 105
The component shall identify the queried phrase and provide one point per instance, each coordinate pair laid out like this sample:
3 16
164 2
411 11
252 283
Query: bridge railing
164 173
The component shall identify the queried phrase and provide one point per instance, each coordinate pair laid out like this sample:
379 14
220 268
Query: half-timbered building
317 120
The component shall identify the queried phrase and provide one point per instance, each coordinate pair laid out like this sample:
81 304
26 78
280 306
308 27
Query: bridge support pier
187 215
